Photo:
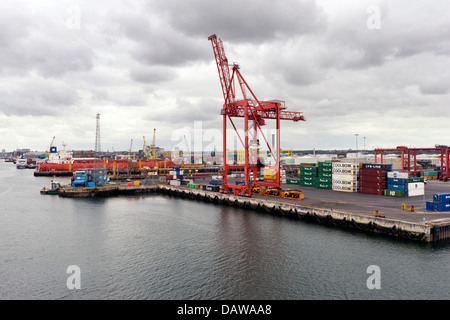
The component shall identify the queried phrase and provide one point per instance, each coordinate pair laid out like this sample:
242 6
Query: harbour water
155 247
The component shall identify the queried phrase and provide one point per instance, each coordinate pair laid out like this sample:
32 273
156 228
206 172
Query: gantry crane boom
252 110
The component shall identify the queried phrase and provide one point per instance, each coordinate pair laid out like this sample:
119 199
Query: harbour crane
255 113
152 147
49 148
129 152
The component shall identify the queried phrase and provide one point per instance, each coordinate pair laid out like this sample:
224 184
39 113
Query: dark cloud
242 21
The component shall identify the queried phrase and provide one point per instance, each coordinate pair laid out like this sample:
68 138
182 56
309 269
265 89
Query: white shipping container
344 183
345 171
344 188
346 177
345 165
172 173
416 185
398 175
416 192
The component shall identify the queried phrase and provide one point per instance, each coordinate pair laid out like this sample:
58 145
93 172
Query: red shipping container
270 180
371 172
372 179
371 191
372 185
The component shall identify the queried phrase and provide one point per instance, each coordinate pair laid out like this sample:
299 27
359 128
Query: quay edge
437 230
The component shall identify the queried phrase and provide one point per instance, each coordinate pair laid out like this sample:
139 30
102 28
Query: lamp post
356 135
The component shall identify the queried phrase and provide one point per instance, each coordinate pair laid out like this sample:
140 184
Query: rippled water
156 247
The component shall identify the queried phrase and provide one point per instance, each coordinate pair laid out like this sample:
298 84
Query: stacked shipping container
372 178
345 177
324 175
308 175
441 202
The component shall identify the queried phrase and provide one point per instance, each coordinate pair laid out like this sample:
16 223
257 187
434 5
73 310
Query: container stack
283 176
397 184
431 175
325 175
308 175
441 202
372 178
345 177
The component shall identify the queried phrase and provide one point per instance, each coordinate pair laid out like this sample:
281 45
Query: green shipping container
325 170
325 175
308 168
308 183
324 180
417 179
323 185
293 181
394 193
325 165
431 173
308 174
308 178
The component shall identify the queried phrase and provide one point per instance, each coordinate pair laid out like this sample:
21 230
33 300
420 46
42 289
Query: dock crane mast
255 113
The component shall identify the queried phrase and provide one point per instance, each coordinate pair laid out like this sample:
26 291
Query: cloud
242 21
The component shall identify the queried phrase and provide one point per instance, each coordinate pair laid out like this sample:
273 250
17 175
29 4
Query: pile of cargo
441 202
372 178
345 177
325 175
404 184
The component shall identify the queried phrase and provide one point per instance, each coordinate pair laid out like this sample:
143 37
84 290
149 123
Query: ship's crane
255 113
152 147
145 149
49 148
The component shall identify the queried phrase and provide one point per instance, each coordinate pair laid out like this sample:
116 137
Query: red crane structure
444 151
255 113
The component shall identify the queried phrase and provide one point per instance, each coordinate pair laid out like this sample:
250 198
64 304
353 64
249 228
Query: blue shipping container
441 197
397 186
431 206
397 181
240 183
445 206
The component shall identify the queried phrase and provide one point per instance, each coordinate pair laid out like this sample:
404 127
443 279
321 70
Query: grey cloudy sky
376 68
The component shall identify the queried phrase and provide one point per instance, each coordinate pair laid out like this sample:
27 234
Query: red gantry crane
255 113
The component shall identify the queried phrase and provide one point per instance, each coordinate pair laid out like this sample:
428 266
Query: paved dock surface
363 203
